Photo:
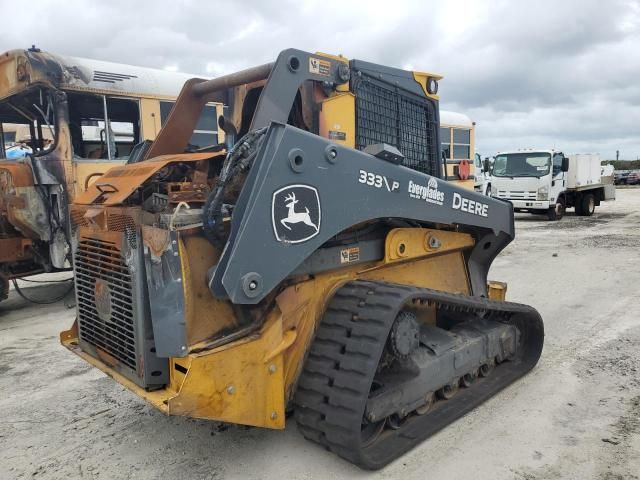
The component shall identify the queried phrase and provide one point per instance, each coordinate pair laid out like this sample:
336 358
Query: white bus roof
84 74
454 119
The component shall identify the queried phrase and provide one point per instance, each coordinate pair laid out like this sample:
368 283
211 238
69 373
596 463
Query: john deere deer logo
296 217
295 212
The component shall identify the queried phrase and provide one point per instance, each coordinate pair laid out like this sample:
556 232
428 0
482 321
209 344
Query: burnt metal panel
163 267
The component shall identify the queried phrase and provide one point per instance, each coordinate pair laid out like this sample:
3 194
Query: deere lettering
470 206
428 193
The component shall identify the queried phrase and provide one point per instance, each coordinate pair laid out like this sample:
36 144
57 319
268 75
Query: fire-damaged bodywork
318 264
19 198
33 205
57 103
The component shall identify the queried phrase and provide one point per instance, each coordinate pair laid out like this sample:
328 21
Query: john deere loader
315 265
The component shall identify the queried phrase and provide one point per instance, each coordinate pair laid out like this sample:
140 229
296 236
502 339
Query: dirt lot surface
576 416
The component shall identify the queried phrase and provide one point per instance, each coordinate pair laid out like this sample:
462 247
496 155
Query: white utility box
584 170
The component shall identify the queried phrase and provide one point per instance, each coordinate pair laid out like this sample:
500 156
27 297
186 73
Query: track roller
448 391
487 368
429 400
467 380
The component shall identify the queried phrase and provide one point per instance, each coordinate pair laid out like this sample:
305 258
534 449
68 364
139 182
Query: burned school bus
64 122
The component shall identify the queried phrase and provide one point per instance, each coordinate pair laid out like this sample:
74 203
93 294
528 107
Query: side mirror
565 164
485 165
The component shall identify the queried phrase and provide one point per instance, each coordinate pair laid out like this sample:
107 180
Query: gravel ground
575 416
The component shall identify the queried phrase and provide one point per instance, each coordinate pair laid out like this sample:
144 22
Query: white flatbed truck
548 182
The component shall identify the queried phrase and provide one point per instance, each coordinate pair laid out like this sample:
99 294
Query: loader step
348 354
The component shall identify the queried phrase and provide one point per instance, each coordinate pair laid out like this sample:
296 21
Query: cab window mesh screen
389 114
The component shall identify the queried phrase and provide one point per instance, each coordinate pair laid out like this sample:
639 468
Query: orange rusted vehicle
64 122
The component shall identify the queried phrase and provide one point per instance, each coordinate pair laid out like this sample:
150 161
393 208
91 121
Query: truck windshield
524 164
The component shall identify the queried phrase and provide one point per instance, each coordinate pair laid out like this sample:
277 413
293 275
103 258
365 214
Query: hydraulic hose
238 159
44 302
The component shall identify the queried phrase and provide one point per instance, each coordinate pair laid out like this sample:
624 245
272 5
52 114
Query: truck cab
548 182
532 180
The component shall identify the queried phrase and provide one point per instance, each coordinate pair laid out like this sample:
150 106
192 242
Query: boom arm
285 76
352 187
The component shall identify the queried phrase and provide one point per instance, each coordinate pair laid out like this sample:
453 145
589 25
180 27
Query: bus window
445 142
95 136
9 138
461 143
27 124
206 132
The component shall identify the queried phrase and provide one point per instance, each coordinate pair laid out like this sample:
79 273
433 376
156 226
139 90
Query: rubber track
334 386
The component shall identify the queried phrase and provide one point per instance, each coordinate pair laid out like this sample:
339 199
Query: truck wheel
578 205
556 212
588 205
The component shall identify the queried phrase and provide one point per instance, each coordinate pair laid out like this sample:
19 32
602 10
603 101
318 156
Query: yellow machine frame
251 380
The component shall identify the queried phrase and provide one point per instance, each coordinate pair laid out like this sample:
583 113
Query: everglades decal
429 193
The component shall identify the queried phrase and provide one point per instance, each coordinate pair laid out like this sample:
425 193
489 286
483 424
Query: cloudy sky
542 73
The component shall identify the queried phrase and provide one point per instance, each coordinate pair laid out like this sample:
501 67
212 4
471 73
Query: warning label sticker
348 255
335 135
319 67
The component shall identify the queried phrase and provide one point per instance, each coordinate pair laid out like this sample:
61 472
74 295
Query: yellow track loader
314 264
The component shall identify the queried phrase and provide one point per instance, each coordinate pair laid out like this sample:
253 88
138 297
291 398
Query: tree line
624 164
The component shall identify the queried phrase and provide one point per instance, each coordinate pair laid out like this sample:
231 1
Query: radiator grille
518 194
116 222
99 260
389 114
77 218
